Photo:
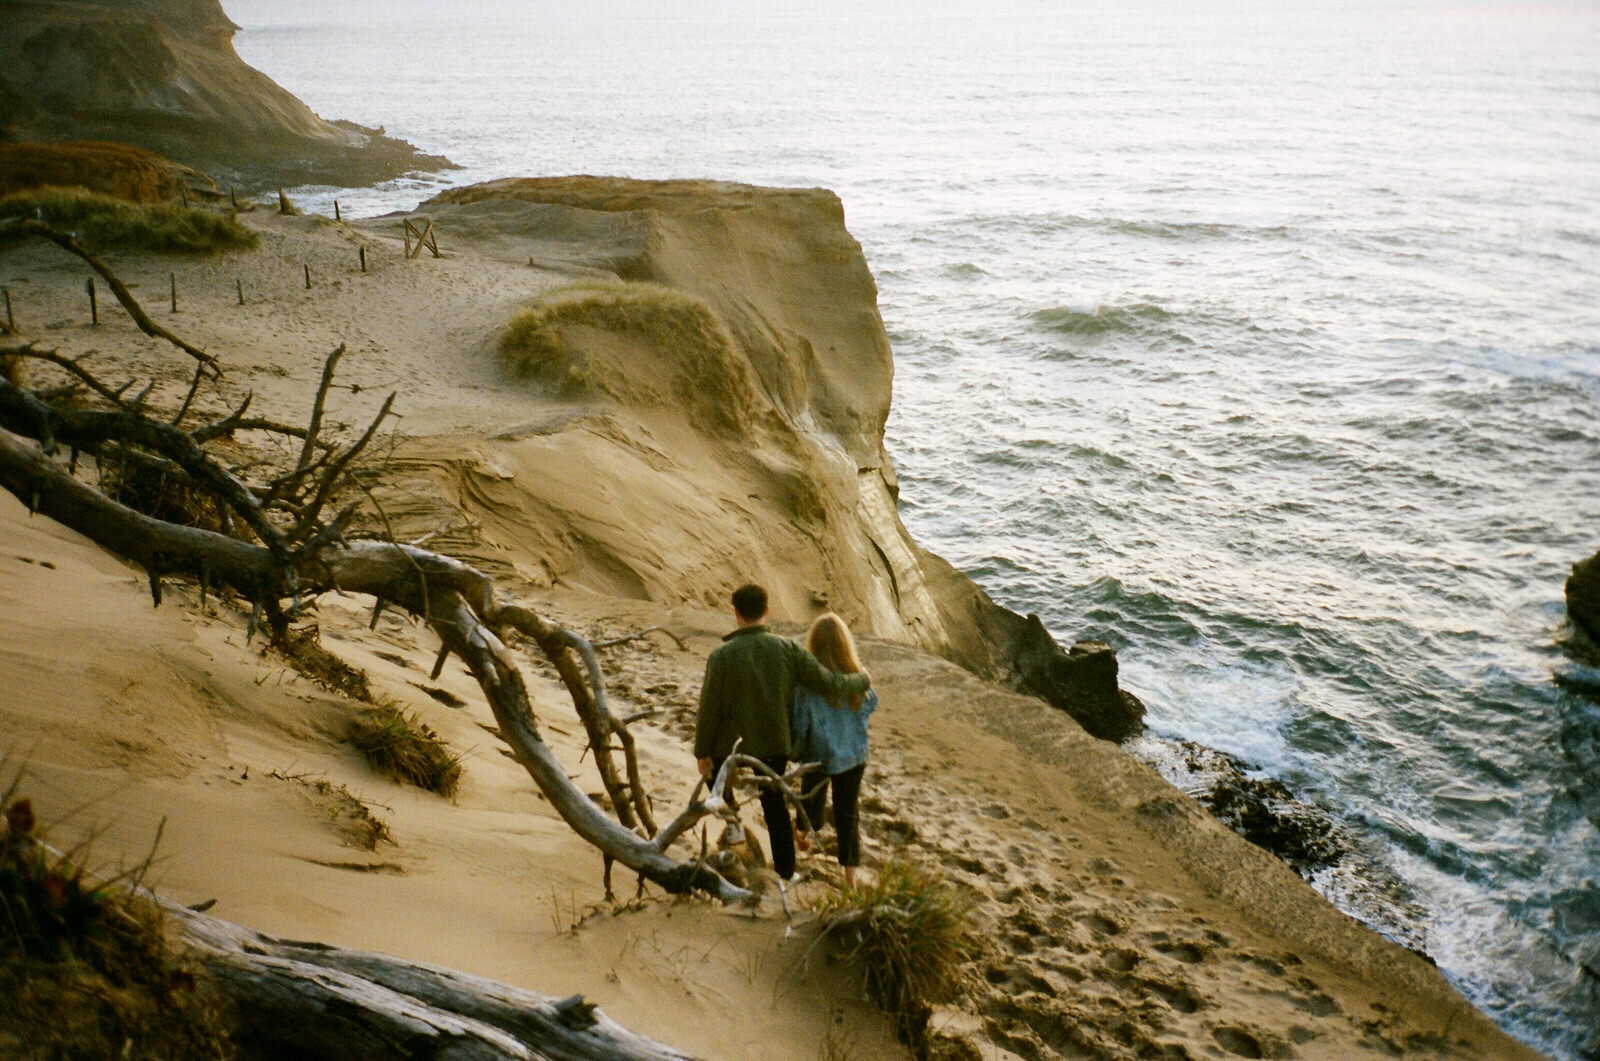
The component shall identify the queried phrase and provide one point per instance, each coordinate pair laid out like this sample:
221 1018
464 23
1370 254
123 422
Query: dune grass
104 223
401 747
531 345
85 967
157 491
909 931
121 170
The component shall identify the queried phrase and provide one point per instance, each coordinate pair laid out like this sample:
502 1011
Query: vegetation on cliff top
118 170
697 361
105 223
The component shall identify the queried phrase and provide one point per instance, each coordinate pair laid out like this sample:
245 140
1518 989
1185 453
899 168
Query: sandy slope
1118 919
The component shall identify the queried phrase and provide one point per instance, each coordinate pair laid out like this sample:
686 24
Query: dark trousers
776 812
846 819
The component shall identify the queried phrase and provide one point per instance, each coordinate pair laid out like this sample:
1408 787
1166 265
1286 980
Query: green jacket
750 682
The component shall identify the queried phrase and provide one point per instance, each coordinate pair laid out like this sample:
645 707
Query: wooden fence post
94 310
174 292
11 323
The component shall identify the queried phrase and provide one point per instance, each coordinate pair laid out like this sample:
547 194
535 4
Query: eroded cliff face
749 447
163 75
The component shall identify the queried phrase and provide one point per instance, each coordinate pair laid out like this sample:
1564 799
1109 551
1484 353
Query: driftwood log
321 1003
299 550
453 598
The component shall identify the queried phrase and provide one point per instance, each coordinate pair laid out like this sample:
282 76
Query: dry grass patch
85 967
668 347
143 482
104 223
909 932
126 172
402 747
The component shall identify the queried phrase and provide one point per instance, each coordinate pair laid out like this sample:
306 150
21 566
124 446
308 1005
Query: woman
834 733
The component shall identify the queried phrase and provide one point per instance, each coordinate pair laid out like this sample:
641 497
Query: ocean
1261 340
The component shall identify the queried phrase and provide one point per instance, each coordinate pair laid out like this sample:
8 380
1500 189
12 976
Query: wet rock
1081 681
1264 811
1583 598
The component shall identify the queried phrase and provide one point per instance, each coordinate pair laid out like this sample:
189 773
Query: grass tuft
104 223
401 747
303 648
909 931
698 351
85 967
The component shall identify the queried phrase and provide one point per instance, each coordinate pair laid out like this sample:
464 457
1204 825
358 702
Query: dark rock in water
1305 837
1081 681
1583 598
1261 809
162 75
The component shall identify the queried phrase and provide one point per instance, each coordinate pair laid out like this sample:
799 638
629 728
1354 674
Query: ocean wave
1100 319
1154 228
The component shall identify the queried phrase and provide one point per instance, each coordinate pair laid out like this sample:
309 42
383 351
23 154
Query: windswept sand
1117 919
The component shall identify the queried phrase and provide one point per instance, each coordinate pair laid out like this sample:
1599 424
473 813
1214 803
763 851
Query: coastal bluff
163 75
594 410
746 447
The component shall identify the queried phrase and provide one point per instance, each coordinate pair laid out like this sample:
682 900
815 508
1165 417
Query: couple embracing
789 703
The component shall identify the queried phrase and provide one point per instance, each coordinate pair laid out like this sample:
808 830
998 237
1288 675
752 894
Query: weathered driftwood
456 601
321 1003
302 551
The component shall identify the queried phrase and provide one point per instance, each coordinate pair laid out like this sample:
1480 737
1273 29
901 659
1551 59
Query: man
746 696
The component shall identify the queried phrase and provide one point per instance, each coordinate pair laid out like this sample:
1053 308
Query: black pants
776 812
846 819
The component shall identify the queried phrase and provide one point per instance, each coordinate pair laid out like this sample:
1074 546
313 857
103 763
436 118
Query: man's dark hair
750 602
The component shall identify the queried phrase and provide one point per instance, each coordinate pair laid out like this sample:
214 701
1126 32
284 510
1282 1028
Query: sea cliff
163 75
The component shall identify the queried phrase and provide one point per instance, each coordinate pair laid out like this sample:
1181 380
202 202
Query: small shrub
909 931
102 222
85 968
403 748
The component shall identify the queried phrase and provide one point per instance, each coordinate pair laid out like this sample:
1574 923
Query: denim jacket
834 736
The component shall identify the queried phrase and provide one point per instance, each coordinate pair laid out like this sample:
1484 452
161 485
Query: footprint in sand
1247 1042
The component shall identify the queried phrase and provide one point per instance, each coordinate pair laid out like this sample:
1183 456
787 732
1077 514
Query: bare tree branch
129 303
456 601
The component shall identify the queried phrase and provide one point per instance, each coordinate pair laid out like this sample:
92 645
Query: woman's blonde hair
829 640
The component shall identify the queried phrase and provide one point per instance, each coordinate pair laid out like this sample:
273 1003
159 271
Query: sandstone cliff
753 445
163 75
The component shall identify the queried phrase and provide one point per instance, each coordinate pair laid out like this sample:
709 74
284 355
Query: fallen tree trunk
454 599
321 1003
